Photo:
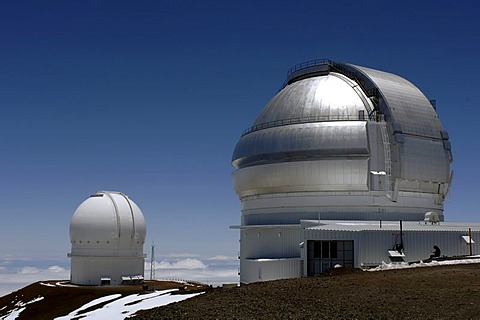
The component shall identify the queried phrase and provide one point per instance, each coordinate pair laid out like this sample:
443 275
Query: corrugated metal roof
266 226
388 225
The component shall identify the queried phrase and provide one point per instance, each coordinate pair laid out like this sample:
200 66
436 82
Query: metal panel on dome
302 142
411 111
423 159
328 97
317 175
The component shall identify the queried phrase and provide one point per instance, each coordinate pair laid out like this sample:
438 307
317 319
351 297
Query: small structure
107 233
369 243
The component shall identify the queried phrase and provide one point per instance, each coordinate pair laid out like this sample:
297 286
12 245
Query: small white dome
108 220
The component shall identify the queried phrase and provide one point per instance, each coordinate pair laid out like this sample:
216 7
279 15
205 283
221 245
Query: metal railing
307 64
310 119
355 76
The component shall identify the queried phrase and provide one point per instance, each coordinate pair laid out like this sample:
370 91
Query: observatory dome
107 233
108 219
336 142
364 144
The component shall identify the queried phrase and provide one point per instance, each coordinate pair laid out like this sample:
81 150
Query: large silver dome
342 142
337 142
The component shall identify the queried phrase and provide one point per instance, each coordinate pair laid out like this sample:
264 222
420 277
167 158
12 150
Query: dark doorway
324 255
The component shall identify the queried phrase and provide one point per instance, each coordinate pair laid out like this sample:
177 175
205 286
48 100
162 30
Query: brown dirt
447 292
60 301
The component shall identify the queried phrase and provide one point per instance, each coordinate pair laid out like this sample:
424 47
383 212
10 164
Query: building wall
371 246
89 270
269 250
291 207
269 269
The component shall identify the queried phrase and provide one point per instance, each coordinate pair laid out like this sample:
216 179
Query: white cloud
14 279
181 255
182 264
28 270
221 269
214 270
209 276
223 258
56 269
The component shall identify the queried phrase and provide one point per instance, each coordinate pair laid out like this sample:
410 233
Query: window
325 249
324 255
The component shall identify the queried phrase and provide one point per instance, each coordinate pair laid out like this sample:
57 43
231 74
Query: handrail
307 64
355 76
299 120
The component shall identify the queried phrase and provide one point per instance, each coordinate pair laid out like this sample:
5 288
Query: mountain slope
50 299
443 292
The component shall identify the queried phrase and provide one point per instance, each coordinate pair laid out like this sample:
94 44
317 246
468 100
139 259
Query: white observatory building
107 234
342 165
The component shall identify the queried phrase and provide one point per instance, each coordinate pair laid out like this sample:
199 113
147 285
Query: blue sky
150 97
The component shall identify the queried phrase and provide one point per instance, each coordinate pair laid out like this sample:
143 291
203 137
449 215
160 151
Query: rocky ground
59 300
447 292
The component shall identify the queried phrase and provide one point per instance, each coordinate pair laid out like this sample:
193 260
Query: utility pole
152 262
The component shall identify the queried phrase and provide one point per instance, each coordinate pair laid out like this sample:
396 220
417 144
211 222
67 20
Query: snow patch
120 308
421 264
47 284
92 303
14 313
65 284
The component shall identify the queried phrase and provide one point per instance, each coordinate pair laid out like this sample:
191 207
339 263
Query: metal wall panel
288 208
301 142
371 246
407 105
423 159
270 242
318 175
265 270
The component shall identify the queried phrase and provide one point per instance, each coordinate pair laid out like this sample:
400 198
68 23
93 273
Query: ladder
388 159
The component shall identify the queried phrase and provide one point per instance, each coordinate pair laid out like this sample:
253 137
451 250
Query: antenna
152 262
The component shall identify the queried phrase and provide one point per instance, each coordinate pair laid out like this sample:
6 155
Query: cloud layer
14 279
216 270
182 264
